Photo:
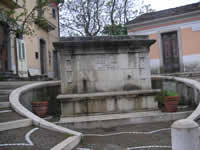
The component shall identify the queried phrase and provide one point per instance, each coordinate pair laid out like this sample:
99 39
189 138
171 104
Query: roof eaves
146 23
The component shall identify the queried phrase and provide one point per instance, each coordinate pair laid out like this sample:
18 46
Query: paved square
150 136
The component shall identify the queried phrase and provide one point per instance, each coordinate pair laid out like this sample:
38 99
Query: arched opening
4 40
43 56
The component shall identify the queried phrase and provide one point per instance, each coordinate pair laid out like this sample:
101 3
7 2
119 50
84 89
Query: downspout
16 58
58 59
58 22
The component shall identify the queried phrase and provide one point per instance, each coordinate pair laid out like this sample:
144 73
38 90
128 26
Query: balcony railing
57 1
45 24
13 3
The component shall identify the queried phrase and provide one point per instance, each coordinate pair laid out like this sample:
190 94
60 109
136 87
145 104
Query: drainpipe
58 22
15 50
58 68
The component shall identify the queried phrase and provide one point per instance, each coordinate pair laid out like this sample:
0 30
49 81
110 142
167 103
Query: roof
166 13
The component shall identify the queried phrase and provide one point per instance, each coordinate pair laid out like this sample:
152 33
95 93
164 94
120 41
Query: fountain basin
107 102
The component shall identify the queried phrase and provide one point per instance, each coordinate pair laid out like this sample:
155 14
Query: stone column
185 135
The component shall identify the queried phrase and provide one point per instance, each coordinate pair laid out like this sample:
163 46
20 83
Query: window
54 13
21 49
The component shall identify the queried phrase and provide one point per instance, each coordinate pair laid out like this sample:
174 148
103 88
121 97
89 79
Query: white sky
165 4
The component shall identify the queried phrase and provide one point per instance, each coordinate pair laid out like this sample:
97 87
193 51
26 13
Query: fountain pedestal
104 64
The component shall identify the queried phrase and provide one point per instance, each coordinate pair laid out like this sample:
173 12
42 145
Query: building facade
177 32
32 54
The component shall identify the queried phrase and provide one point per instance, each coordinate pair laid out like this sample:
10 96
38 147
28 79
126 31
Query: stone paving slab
42 139
124 141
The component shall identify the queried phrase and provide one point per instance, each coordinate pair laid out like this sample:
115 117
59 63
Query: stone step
4 104
13 84
113 120
41 139
11 120
9 116
5 92
15 124
4 110
4 98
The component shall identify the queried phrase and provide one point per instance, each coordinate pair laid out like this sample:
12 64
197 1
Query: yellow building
32 54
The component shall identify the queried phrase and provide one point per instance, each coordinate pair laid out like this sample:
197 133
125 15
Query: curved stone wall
188 89
25 95
186 132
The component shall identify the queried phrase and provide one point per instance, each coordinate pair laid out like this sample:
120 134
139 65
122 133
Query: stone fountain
102 75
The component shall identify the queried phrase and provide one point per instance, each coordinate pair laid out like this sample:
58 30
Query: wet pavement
150 136
30 138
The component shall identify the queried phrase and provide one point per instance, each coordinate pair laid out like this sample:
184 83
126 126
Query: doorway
55 64
42 56
170 51
3 47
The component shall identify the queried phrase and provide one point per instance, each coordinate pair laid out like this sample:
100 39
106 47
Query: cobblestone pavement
150 136
41 139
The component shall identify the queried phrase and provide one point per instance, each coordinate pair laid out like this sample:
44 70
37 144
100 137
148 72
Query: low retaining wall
47 93
26 94
107 102
185 132
186 90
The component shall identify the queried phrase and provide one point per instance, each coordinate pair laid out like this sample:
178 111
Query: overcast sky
165 4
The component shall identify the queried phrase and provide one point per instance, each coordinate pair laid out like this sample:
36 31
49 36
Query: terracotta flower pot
40 108
171 103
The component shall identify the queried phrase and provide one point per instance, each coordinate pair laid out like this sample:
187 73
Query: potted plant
40 107
167 101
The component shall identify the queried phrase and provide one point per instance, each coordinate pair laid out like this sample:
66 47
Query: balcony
13 3
45 24
57 1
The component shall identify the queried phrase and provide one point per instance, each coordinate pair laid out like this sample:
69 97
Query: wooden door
170 52
3 48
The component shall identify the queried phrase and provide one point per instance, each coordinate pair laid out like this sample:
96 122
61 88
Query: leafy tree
20 20
115 29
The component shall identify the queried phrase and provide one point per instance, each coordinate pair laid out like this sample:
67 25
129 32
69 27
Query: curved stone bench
185 132
14 99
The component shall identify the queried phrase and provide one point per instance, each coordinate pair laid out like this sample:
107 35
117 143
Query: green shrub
160 96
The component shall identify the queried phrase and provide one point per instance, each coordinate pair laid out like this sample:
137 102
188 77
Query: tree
20 20
120 12
96 17
82 17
